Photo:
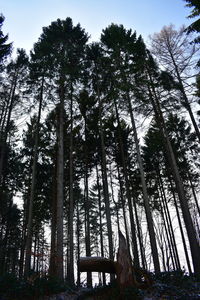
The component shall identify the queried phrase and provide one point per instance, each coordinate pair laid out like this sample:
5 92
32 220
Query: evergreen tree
5 49
154 94
62 45
195 26
123 47
17 74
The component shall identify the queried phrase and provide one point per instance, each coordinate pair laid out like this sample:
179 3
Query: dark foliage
11 288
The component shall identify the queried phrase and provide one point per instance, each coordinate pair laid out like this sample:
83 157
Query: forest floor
157 292
175 285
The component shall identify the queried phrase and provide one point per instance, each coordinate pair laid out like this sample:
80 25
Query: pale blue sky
25 18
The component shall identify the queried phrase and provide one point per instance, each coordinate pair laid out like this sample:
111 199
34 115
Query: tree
154 94
16 76
195 26
159 174
123 47
5 49
32 191
62 45
173 50
97 63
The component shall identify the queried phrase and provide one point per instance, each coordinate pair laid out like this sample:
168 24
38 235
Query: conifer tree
5 49
195 26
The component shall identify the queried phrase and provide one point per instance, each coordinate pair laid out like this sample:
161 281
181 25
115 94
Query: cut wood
97 264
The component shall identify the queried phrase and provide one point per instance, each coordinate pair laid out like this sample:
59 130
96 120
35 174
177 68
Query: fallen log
127 275
97 264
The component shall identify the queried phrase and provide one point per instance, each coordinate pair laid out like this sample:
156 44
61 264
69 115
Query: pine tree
195 26
16 77
62 46
122 45
5 49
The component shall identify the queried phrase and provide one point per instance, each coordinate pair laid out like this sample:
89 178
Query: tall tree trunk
60 186
87 212
169 221
195 250
145 194
113 199
105 184
123 207
71 198
139 230
32 192
100 220
128 194
52 263
78 244
181 228
169 241
87 227
25 222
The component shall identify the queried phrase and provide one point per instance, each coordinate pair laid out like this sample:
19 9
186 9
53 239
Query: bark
97 264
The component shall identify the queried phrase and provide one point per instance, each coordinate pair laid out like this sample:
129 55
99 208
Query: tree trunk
128 194
169 221
52 263
145 194
87 212
60 187
123 207
195 250
181 229
100 220
71 199
78 245
105 184
113 199
32 192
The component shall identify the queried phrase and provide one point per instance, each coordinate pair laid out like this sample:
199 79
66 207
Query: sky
24 19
